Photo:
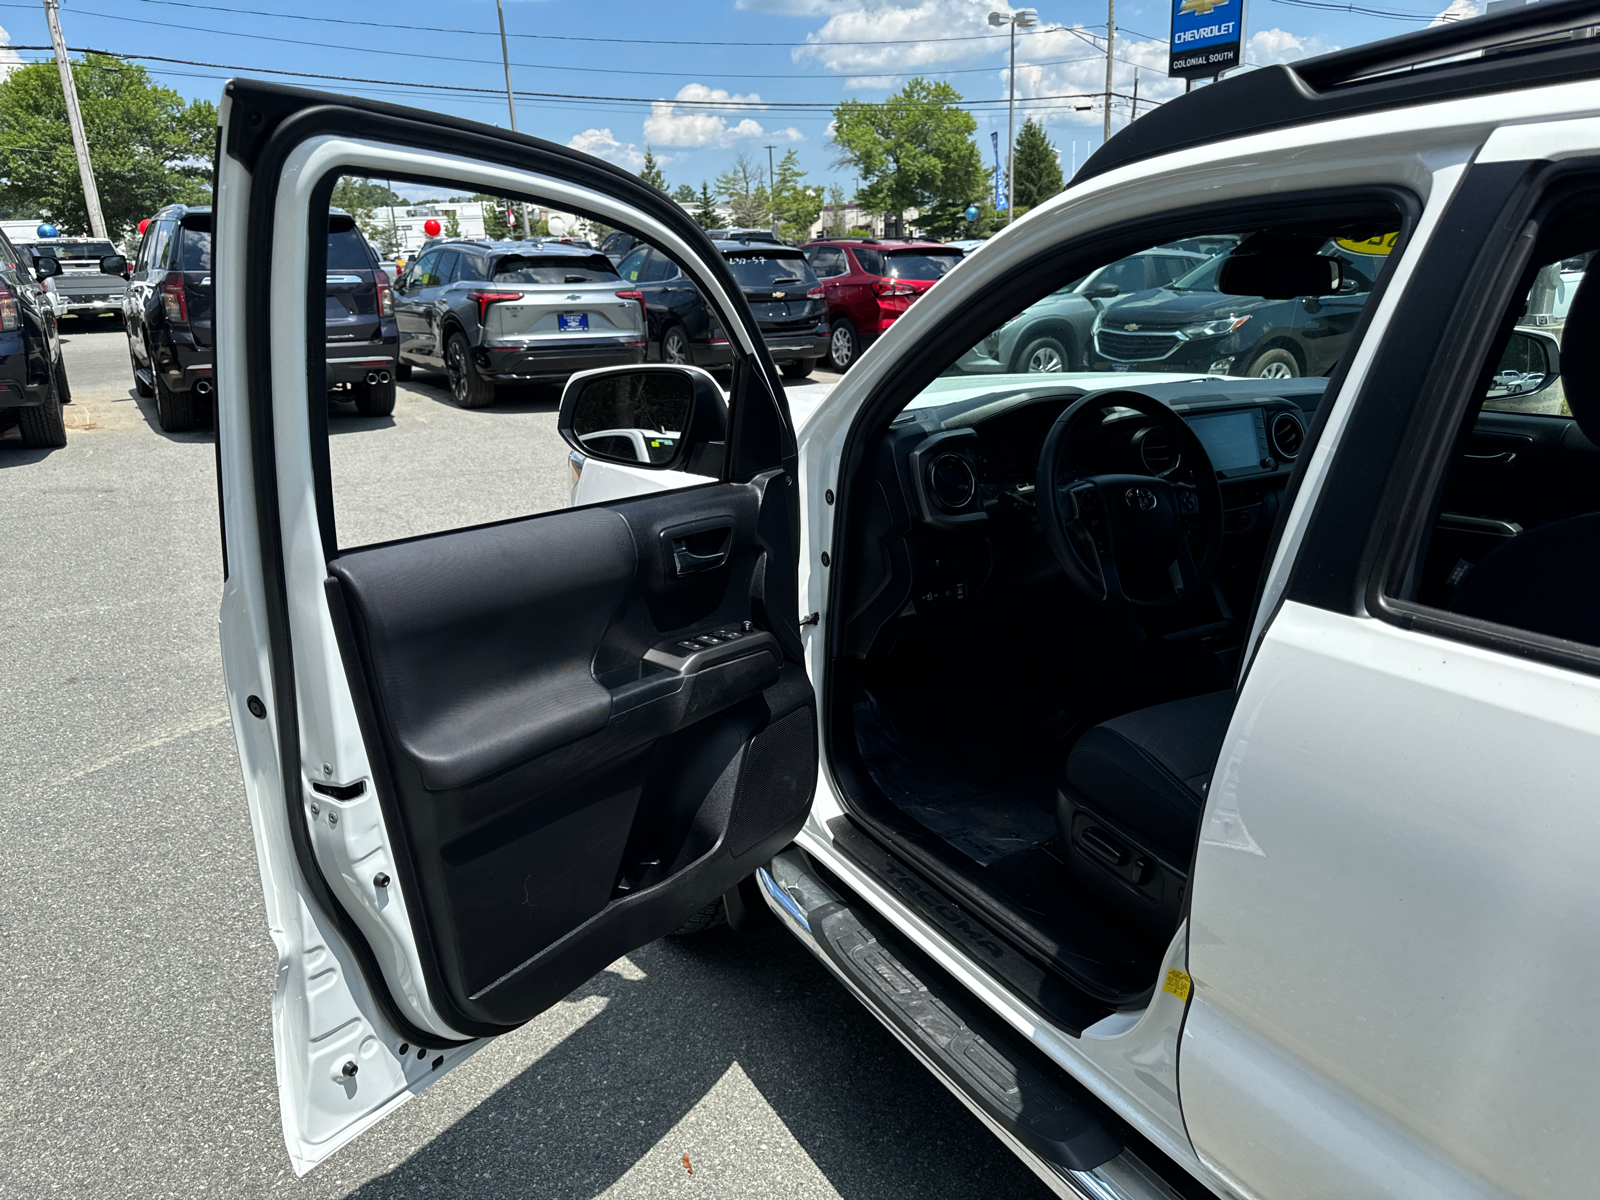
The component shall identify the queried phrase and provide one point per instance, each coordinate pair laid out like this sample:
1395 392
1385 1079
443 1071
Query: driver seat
1129 802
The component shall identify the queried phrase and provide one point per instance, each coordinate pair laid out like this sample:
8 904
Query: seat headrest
1580 356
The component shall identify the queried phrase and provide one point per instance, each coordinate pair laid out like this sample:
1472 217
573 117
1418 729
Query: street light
1027 18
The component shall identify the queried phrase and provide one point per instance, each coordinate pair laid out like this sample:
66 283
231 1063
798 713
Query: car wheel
709 917
843 345
63 388
468 388
139 385
1043 355
373 399
44 427
402 371
175 411
1274 364
799 369
675 347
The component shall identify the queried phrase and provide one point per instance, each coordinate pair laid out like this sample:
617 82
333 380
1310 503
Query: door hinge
813 619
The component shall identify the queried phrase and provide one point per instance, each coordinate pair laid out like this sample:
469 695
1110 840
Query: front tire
799 369
175 411
843 345
1043 355
45 426
675 347
1276 363
373 399
468 388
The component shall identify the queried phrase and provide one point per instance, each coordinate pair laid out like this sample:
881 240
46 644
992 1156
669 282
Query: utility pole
1135 116
1027 18
1111 40
772 186
80 143
511 104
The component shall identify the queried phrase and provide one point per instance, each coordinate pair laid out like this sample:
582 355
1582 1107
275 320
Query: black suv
33 377
784 294
168 312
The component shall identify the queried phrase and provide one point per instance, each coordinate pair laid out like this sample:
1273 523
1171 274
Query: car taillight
385 300
885 288
639 296
173 299
485 299
10 317
815 293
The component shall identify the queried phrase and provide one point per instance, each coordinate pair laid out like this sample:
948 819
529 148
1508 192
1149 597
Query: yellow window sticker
1178 984
1381 244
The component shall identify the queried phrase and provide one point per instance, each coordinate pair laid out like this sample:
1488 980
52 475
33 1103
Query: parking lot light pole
511 104
80 143
1027 18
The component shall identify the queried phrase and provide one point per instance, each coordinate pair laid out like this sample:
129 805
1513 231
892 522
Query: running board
1069 1139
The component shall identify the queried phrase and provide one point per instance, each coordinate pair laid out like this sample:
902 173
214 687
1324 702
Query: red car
869 282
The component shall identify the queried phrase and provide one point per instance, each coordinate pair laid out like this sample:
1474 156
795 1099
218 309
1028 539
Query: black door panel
569 769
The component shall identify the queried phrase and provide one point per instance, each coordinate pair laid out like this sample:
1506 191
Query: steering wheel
1124 540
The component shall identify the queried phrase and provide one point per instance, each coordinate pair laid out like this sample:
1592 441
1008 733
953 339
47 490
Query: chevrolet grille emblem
1130 328
1200 8
777 295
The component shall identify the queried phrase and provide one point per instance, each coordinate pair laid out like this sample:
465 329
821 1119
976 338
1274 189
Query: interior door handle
1504 457
686 562
702 546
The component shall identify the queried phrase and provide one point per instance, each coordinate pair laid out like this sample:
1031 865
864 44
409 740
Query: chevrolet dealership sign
1206 37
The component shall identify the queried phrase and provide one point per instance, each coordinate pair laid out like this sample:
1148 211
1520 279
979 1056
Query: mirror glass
1522 380
633 417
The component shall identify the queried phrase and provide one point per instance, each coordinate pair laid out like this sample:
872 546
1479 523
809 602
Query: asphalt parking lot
136 963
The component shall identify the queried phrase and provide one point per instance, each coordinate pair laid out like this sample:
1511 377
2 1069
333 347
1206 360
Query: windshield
576 268
920 264
94 250
769 269
1202 279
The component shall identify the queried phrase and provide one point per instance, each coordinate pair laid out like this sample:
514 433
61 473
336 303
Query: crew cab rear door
480 764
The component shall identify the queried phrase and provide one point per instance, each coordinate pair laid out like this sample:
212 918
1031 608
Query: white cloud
702 124
601 144
1270 46
1459 10
1060 63
10 60
912 36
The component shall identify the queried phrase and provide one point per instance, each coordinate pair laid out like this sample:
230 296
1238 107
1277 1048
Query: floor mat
987 804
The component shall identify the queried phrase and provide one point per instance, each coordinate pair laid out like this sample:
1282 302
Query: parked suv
168 312
869 283
783 293
493 313
84 290
33 376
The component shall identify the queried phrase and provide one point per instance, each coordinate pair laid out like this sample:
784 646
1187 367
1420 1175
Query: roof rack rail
1535 44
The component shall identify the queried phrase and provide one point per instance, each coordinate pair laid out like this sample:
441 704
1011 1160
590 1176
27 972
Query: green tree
452 225
495 226
706 215
795 205
744 187
914 150
1038 166
838 225
148 147
684 194
651 171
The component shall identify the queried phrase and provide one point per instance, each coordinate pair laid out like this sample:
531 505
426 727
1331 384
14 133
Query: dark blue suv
33 378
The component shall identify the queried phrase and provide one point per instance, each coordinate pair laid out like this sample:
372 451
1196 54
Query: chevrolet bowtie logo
1200 8
1130 328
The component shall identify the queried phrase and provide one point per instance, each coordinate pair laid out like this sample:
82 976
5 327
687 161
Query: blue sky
695 105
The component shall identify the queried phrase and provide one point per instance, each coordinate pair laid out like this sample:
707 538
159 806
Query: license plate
1122 366
572 322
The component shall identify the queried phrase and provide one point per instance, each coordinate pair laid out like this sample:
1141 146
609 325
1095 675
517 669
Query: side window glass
446 270
659 269
1527 378
469 269
632 266
870 261
423 274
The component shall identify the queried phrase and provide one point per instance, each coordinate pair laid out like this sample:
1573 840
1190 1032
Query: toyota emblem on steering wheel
1141 498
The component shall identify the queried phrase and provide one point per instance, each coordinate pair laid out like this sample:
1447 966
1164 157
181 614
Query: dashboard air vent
952 480
1288 435
1157 452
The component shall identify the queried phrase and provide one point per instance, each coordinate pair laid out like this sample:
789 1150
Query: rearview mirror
656 416
1280 276
113 264
46 267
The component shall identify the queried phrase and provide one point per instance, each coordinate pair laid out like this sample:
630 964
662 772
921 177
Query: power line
1387 14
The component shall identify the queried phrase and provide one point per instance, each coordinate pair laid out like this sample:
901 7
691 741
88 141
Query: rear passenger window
347 249
871 261
195 244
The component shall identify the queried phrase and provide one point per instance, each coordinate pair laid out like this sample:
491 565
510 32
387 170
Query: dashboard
954 510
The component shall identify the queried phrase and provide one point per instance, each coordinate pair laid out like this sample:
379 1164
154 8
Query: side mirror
1531 364
1104 292
113 264
46 267
658 416
1280 276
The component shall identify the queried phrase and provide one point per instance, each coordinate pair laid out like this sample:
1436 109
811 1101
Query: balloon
143 225
431 227
972 212
48 230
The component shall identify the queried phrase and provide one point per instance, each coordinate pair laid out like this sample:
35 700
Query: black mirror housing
1104 292
1280 276
113 264
659 416
46 267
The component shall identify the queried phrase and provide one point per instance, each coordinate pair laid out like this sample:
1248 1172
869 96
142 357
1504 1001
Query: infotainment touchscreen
1229 438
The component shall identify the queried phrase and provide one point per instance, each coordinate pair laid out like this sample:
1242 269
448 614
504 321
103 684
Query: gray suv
492 313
